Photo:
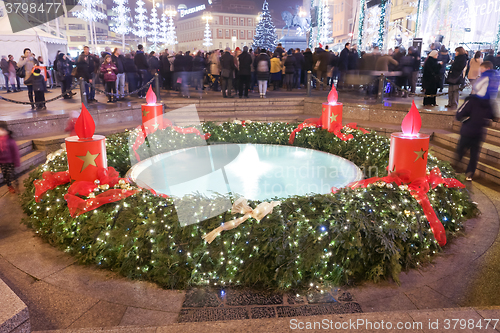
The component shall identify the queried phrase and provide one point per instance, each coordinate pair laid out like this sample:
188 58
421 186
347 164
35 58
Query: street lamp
259 17
207 16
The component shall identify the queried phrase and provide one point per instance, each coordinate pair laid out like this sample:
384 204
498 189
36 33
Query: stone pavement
62 295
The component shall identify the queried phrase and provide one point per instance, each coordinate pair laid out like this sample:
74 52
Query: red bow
336 130
418 189
50 180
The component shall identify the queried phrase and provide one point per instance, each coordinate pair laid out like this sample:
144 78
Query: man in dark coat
245 60
299 67
322 59
165 70
343 64
141 63
227 72
455 77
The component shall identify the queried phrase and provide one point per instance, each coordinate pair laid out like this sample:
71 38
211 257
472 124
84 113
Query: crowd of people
236 72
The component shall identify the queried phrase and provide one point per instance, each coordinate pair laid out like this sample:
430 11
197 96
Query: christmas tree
265 32
122 19
140 22
208 36
163 29
325 31
154 29
171 36
90 14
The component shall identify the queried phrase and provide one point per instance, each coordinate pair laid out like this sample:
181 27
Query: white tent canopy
39 41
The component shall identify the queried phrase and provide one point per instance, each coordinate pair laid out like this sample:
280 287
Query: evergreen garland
364 234
361 23
381 27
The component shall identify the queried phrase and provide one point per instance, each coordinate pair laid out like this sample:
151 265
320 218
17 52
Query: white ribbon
241 206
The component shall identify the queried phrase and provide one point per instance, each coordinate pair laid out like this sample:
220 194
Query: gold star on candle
144 113
88 159
420 154
324 109
333 117
155 126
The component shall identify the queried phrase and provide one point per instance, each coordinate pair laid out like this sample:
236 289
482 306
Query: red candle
331 112
152 113
86 151
409 149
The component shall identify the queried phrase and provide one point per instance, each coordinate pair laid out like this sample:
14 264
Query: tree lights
364 233
265 32
122 19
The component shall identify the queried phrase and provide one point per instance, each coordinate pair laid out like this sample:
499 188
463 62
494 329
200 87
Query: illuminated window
235 21
242 22
234 33
227 33
226 20
249 22
242 34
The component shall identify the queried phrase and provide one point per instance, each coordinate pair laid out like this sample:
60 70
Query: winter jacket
383 62
4 65
324 59
9 152
344 59
154 64
474 65
118 62
308 61
227 62
276 65
63 68
82 68
444 57
109 70
129 65
353 60
475 114
165 63
245 60
299 61
198 64
37 81
406 65
140 61
486 86
290 65
28 64
262 65
430 76
180 63
455 74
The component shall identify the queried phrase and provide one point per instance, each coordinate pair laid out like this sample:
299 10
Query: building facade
342 13
232 25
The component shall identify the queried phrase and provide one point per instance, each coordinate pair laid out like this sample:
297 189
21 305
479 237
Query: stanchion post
381 83
83 92
157 87
308 83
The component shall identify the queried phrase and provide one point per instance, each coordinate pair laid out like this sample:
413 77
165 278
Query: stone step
492 132
29 161
489 153
485 171
25 146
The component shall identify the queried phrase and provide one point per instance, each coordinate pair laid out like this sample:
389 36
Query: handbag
225 72
316 67
21 72
73 72
455 80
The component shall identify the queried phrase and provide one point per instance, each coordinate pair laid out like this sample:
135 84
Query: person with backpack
455 77
25 67
37 81
9 158
262 65
109 71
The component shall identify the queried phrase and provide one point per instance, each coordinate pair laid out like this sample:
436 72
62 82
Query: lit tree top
89 11
265 32
140 17
122 18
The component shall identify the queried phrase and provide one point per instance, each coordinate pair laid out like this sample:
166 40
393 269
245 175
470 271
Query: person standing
227 72
28 62
9 158
416 68
4 65
474 67
262 65
130 72
64 70
117 59
276 70
299 66
141 63
245 63
82 72
455 77
109 71
308 65
37 80
91 59
430 78
165 70
198 70
215 69
475 114
290 64
444 59
343 65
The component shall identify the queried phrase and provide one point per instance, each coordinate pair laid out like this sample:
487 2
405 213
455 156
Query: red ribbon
418 189
144 132
78 206
50 181
310 122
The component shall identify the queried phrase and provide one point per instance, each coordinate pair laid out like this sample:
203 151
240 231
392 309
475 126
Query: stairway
29 158
444 146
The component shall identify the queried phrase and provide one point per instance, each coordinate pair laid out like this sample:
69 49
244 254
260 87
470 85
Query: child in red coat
109 70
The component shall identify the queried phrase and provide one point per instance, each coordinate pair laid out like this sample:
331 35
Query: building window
227 44
227 33
408 24
342 7
226 20
77 38
242 22
249 22
216 20
235 21
219 34
234 33
75 27
242 34
249 34
220 45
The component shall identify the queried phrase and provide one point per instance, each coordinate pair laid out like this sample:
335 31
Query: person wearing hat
290 64
443 59
262 65
37 81
9 158
430 78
